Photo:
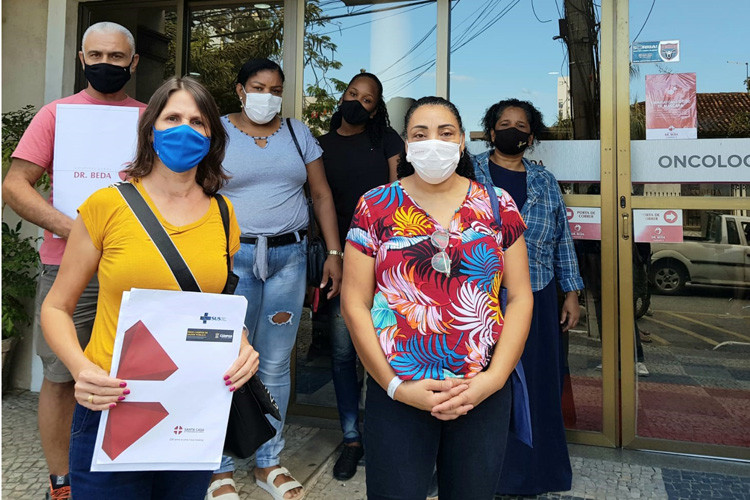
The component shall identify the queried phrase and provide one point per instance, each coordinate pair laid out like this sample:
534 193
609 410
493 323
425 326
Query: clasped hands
450 398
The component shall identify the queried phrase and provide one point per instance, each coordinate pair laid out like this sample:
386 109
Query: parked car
721 256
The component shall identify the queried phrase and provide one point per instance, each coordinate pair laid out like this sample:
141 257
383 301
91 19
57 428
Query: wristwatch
336 252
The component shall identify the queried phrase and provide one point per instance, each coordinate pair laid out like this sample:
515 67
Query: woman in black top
359 153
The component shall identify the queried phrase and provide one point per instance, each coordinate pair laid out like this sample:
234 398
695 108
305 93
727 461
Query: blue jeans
157 485
344 371
403 444
274 307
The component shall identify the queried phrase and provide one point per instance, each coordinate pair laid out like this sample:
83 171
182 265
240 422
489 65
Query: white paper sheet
93 144
200 335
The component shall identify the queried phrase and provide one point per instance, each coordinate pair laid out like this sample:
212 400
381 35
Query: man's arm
19 193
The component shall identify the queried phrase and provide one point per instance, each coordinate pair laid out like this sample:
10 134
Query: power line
484 28
369 22
559 12
644 22
537 17
373 11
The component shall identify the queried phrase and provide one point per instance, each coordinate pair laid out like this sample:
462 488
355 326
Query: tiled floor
598 473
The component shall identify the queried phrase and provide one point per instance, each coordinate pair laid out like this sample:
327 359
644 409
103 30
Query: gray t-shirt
266 185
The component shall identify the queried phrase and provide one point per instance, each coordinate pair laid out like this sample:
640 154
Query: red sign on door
657 226
585 223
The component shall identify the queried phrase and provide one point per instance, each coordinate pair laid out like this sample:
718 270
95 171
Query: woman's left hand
481 386
244 367
571 311
333 270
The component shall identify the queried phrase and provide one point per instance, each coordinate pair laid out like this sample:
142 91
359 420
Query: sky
504 48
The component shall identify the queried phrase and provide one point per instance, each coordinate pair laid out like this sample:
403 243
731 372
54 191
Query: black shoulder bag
248 427
317 253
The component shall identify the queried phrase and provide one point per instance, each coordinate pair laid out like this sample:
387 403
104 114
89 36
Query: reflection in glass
223 38
397 44
698 342
154 31
562 80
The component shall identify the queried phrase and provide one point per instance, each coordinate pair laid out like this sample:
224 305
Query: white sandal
278 492
224 496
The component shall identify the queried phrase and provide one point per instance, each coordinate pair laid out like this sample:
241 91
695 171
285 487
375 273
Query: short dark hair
494 112
255 66
378 124
465 165
210 174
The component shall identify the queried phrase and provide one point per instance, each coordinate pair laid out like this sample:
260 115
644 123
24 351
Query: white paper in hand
173 349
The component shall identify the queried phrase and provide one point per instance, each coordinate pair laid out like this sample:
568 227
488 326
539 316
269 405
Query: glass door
559 59
396 42
684 225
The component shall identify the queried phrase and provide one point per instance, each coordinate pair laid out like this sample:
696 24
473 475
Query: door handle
625 227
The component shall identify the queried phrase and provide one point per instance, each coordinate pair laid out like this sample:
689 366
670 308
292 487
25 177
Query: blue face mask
181 148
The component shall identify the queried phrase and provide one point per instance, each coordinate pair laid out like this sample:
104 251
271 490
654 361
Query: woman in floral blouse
424 264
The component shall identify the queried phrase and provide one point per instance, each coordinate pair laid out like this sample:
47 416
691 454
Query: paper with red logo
173 349
671 111
585 222
657 226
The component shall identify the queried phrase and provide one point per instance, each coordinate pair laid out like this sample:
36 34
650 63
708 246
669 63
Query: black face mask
511 141
353 112
107 78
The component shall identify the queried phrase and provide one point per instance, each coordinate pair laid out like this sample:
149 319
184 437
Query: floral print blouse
434 324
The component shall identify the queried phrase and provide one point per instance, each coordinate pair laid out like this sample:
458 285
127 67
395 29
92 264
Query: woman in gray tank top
268 172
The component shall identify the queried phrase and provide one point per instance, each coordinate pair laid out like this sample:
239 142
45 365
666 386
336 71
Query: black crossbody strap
308 195
159 236
294 138
224 211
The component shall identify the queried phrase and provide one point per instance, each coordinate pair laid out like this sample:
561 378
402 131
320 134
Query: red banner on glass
671 106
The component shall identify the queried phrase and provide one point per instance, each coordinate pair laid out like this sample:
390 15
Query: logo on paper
178 429
670 216
205 318
569 213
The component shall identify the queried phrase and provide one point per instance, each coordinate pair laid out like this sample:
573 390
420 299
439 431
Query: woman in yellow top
177 169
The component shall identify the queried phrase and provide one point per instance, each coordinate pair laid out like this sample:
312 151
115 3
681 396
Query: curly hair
210 175
494 112
376 125
465 164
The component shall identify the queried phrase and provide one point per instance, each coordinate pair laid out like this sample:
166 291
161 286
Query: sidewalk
598 473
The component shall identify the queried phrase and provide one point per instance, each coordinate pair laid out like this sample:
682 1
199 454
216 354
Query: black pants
403 444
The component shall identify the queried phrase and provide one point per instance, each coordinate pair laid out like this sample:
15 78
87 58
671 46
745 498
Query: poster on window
657 226
671 106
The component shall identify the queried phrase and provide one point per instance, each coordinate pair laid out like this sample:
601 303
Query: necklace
256 137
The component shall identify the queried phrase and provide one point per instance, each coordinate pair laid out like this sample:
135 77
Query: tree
739 125
222 39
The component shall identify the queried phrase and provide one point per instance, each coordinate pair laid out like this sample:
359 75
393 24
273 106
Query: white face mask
261 108
433 160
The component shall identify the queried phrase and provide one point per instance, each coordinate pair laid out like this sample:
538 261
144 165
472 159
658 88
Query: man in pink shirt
108 58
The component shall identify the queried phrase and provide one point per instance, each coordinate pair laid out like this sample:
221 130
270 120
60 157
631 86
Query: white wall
38 62
24 45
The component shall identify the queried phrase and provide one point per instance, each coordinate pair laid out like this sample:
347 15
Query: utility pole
582 41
